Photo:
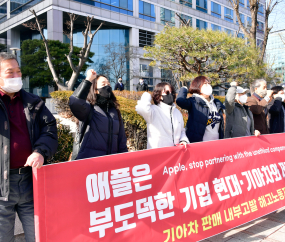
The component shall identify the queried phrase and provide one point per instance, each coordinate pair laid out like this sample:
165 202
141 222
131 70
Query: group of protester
28 131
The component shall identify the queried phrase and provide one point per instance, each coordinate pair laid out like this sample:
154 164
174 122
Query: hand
256 133
269 93
234 84
183 143
35 160
91 75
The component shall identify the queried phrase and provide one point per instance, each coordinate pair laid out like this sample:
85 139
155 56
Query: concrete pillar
194 23
223 12
55 25
209 7
8 9
194 4
13 41
135 62
157 14
136 8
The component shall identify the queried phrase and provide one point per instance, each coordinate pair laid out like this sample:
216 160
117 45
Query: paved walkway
268 228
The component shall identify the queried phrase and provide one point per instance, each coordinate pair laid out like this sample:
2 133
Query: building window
248 25
166 76
200 24
216 10
260 27
241 18
229 32
240 35
241 3
260 9
229 15
201 5
167 17
3 12
147 11
119 6
146 73
146 38
187 18
216 27
248 5
186 3
259 43
17 6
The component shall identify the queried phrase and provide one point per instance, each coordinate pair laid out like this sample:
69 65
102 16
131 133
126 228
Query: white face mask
282 96
243 98
12 85
141 82
207 89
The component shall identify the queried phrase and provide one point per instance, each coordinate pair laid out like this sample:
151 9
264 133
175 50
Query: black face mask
105 91
168 99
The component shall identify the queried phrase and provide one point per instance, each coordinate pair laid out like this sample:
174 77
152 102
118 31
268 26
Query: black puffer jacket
276 115
105 134
42 130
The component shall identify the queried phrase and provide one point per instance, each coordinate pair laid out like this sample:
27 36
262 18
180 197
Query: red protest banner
161 194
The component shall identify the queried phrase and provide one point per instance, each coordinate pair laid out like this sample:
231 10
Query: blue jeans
20 200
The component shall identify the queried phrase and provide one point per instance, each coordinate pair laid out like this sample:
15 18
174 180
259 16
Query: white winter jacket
165 125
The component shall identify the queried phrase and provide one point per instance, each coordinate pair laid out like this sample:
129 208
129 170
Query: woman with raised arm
165 125
205 113
101 126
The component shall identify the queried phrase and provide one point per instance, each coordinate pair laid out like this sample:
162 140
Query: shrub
61 100
65 144
221 98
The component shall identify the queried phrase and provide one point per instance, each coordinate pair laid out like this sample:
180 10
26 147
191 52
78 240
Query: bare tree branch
51 67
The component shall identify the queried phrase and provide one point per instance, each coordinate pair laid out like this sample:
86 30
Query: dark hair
92 95
276 89
197 83
157 92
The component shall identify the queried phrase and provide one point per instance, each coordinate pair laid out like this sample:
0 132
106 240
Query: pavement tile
261 231
282 230
233 240
268 223
218 238
277 236
246 236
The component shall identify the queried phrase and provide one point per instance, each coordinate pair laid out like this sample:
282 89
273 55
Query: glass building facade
119 6
104 37
167 16
275 51
200 24
146 11
3 12
18 6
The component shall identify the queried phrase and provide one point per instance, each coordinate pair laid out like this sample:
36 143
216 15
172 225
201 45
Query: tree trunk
72 80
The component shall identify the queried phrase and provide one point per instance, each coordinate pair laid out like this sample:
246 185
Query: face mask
243 98
120 80
263 93
207 89
167 99
282 96
141 82
12 85
105 91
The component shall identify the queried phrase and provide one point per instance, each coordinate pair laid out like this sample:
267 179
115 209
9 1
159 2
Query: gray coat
42 130
236 116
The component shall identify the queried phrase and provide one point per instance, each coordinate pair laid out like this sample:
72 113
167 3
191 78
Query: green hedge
65 144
